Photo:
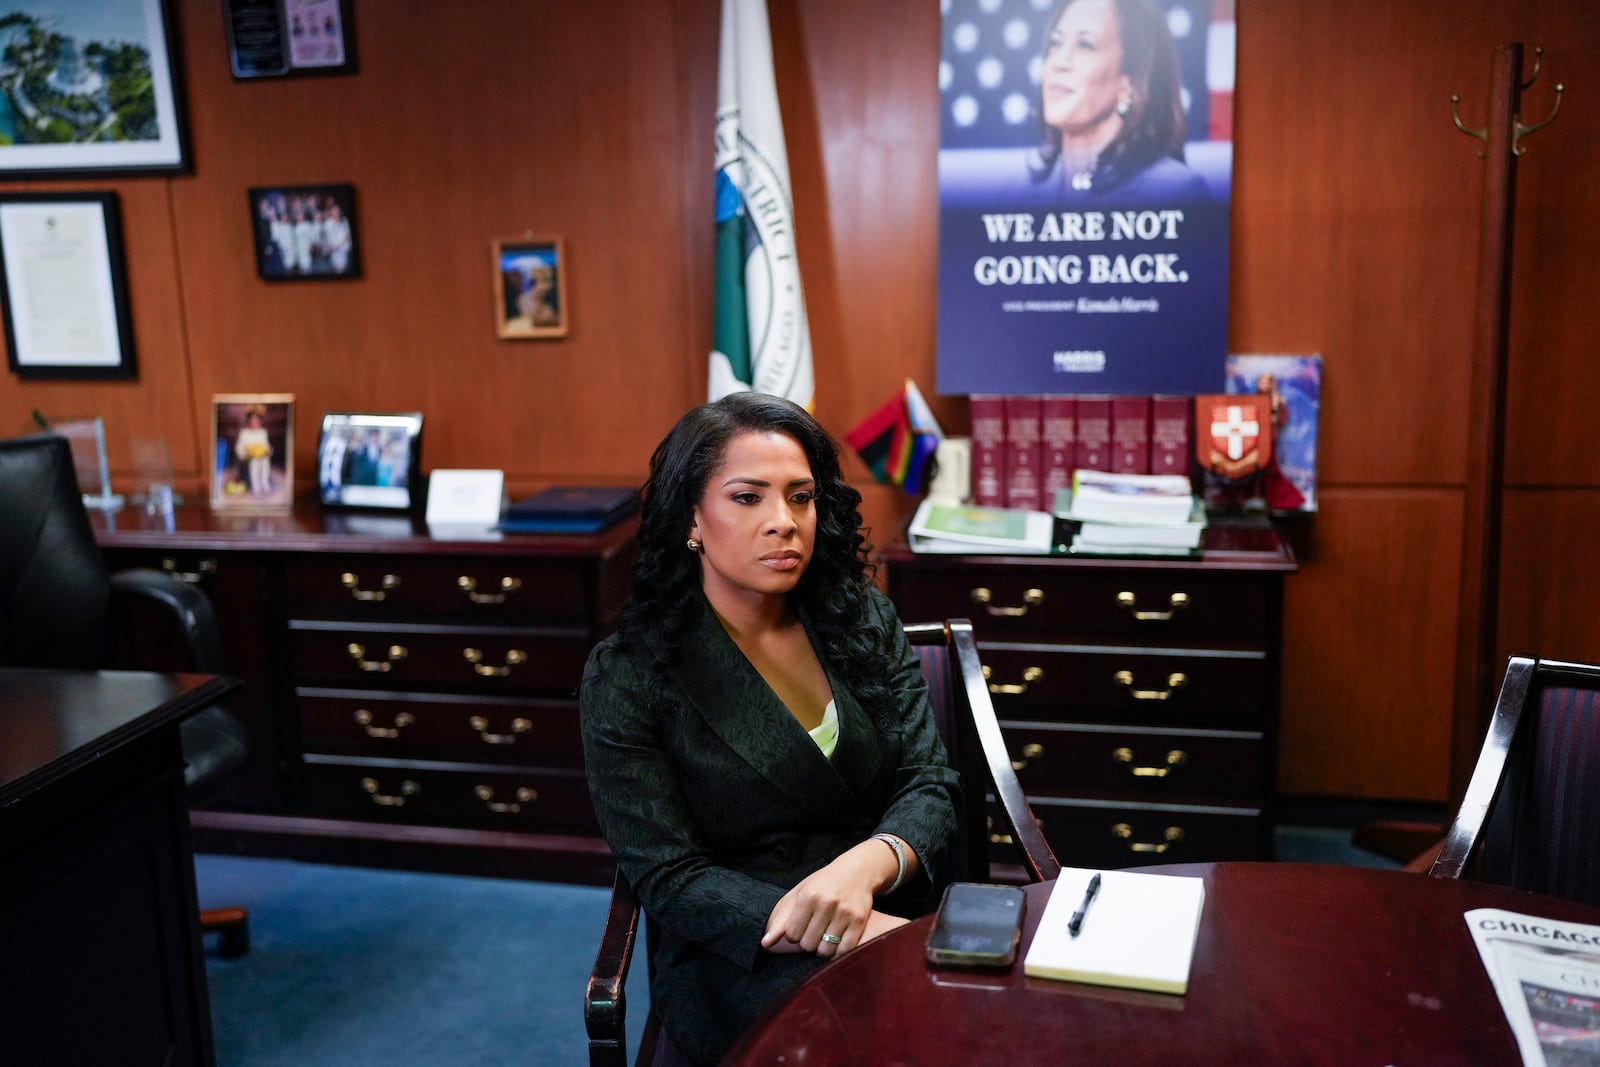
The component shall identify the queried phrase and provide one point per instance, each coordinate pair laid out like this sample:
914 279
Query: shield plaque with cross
1232 434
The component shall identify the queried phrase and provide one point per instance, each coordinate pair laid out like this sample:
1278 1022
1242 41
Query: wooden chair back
1530 817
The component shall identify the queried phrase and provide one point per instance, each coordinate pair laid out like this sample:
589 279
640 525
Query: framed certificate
64 281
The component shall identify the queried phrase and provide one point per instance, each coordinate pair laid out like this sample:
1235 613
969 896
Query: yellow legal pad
1137 933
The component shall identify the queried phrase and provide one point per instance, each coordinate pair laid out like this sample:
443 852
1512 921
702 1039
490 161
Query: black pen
1076 922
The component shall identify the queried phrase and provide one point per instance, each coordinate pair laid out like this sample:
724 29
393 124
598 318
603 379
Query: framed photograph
64 281
90 85
278 38
305 232
368 460
252 449
530 288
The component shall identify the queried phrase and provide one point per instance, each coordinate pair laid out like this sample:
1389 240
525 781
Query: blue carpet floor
371 968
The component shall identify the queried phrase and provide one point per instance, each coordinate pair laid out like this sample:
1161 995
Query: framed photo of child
530 288
252 451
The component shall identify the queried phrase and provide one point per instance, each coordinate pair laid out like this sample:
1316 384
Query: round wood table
1294 963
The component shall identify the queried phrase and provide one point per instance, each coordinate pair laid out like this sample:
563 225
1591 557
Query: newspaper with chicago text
1547 976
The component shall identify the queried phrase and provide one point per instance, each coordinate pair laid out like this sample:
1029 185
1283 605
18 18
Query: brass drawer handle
358 653
1179 601
352 582
505 807
1030 752
514 658
1169 837
1030 675
1007 839
1031 599
402 719
408 788
201 571
469 586
1175 758
1175 681
481 724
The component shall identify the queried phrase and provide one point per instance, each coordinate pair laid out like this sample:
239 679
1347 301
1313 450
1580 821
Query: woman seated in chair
760 749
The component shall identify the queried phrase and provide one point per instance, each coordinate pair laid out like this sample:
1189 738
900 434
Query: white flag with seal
759 337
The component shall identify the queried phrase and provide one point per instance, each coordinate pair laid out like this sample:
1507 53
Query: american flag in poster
1085 173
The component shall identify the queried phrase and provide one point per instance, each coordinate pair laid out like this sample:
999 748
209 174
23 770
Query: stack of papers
1137 933
1123 514
968 529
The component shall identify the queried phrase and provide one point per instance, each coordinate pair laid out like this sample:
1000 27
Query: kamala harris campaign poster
1085 171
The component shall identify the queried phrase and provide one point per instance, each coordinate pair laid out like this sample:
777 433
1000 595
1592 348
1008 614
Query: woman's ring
832 939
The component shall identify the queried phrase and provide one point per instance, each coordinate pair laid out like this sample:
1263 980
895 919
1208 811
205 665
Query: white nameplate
465 498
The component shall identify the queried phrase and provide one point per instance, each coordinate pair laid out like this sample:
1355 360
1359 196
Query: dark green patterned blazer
716 801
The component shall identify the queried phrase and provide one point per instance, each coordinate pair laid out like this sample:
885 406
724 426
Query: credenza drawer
427 726
1086 833
379 587
442 794
1071 759
472 659
1188 687
1030 603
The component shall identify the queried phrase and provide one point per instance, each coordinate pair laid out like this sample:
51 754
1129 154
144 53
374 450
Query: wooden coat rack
1477 667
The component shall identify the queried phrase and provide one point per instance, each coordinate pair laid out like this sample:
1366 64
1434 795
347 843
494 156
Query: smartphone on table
978 925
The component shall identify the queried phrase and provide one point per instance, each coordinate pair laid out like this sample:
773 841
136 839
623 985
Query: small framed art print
530 288
305 232
369 460
252 450
279 38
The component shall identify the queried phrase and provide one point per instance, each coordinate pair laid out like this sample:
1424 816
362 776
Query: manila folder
1138 933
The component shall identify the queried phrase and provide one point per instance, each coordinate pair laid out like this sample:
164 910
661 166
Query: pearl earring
1124 106
694 546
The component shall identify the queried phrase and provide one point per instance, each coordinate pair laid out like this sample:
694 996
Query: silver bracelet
899 847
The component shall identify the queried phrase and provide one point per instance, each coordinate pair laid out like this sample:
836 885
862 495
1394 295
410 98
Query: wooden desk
1295 963
410 698
98 916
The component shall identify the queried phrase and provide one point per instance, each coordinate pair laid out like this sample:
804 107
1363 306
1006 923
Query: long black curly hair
665 602
1153 128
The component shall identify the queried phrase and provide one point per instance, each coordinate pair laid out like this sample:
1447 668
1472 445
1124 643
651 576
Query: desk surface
53 722
1295 963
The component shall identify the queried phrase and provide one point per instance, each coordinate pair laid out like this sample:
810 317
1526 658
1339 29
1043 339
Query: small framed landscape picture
368 460
305 232
252 450
530 288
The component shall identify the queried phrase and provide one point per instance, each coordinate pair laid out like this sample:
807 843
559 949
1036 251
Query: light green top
826 735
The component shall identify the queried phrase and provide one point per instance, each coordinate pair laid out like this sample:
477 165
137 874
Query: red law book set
1024 448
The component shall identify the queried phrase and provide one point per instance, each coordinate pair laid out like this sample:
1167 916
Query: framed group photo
530 288
305 232
252 449
369 460
64 283
102 96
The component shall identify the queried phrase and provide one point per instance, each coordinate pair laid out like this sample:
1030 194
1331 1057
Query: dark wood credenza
1138 696
410 698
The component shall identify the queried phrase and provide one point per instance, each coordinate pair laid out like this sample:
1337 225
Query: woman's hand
830 911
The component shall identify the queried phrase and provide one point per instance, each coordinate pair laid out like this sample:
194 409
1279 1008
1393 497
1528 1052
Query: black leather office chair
58 605
959 696
1530 817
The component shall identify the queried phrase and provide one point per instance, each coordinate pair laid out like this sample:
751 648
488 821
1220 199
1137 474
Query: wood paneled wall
1355 235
